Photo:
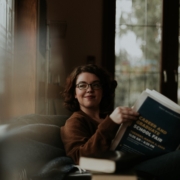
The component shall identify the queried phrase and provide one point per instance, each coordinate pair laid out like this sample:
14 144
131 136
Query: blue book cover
157 130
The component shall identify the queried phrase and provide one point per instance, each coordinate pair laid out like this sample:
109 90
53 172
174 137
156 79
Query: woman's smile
89 97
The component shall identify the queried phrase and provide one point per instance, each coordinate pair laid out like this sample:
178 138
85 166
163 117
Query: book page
119 135
163 100
140 100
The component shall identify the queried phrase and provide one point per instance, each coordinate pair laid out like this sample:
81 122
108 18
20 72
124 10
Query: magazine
157 130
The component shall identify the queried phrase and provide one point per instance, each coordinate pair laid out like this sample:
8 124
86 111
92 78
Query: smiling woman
89 93
91 128
91 74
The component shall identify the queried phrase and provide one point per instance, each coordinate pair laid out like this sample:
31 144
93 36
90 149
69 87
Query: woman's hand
123 114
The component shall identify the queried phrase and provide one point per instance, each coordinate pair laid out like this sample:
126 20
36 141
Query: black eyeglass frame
91 84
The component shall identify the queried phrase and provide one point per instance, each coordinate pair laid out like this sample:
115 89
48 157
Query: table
113 177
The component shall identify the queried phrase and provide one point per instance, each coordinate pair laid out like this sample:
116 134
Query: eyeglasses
85 86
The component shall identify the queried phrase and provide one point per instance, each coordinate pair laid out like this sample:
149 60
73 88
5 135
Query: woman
89 94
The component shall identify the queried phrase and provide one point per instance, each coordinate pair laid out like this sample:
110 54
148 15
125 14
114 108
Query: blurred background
41 41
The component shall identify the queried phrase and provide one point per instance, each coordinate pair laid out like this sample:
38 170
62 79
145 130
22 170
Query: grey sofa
31 149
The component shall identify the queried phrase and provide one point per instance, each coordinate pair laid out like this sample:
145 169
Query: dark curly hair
108 87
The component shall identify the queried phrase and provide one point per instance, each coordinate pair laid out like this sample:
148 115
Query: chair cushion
58 120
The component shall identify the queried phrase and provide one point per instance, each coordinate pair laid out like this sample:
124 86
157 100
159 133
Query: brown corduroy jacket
84 136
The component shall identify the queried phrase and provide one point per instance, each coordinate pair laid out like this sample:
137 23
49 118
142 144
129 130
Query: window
138 48
6 55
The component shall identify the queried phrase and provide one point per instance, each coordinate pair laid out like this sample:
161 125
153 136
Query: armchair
31 149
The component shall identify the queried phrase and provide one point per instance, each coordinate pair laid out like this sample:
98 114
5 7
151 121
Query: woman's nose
90 88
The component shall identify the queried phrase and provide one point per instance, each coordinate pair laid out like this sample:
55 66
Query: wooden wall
24 71
75 36
18 62
83 36
24 66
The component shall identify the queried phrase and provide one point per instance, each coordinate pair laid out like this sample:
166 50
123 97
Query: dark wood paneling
108 36
170 33
24 66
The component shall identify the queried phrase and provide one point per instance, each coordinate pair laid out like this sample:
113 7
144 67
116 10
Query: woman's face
89 98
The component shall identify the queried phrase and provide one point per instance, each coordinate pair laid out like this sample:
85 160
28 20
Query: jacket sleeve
81 140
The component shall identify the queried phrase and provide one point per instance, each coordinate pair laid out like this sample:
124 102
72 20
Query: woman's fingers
128 117
123 114
127 110
128 114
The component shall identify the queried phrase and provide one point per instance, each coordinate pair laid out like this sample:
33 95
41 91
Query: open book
157 130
